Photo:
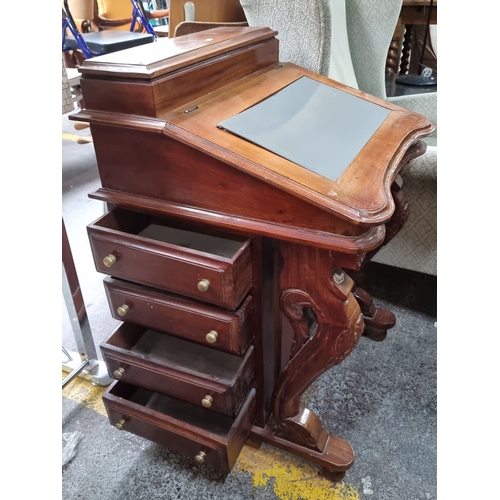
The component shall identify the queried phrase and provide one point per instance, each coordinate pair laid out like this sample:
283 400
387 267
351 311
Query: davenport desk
233 268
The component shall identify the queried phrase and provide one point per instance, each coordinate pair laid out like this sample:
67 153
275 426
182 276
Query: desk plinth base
336 458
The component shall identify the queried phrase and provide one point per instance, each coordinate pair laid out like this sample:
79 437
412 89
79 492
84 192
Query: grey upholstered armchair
348 40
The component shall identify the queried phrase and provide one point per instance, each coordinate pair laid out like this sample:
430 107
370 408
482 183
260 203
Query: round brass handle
207 401
212 336
109 260
119 373
203 285
120 425
123 310
200 458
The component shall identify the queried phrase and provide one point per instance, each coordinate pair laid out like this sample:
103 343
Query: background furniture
127 15
68 103
349 42
188 27
415 15
202 11
94 43
232 268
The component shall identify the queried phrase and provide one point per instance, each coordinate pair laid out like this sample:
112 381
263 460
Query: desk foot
333 476
335 459
377 320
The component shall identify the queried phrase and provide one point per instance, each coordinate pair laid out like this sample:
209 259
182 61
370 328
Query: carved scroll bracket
377 320
327 322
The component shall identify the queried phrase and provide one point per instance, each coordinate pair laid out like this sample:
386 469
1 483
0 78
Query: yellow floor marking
290 478
71 137
84 393
80 139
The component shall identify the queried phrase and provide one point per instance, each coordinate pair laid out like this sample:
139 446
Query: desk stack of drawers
183 355
225 260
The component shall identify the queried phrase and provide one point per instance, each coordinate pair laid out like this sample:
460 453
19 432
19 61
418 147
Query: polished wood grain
361 195
155 82
171 55
177 368
350 250
180 426
180 317
267 265
163 161
316 299
167 266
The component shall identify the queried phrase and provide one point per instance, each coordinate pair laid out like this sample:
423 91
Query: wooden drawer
179 368
214 268
218 328
206 437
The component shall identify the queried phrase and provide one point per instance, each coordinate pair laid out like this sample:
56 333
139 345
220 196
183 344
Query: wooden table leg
405 50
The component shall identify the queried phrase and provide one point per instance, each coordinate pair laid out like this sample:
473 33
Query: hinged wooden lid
167 55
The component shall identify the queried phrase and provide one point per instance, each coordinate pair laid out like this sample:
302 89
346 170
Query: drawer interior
179 410
214 245
169 232
164 348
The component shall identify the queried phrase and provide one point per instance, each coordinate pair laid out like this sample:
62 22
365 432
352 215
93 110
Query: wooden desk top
216 74
168 55
361 194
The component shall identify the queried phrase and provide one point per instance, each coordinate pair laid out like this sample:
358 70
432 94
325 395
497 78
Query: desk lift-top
231 265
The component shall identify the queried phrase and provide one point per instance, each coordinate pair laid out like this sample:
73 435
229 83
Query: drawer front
139 248
221 329
204 377
217 441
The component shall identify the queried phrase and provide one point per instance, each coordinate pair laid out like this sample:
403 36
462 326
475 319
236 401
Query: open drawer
212 267
200 375
208 438
230 331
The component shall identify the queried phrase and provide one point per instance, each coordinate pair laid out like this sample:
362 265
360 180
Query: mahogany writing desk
232 268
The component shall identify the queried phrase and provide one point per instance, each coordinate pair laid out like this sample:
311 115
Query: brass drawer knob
119 373
207 401
203 285
120 425
200 458
123 310
212 337
109 260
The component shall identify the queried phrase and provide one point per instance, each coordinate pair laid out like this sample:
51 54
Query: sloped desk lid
342 156
355 186
319 127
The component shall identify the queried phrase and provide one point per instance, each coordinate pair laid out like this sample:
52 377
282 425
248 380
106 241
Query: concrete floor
382 398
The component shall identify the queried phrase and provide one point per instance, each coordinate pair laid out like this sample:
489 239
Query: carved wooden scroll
327 322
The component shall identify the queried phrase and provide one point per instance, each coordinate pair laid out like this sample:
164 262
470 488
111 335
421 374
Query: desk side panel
155 166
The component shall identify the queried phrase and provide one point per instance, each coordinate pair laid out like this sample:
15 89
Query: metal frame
138 13
83 363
